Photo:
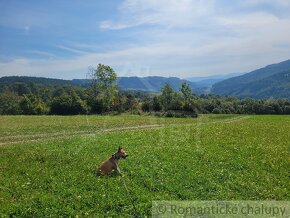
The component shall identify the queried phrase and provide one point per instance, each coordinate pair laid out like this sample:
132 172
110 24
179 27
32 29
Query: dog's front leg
119 171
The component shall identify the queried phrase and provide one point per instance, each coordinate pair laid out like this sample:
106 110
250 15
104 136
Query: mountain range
151 84
208 81
270 81
154 83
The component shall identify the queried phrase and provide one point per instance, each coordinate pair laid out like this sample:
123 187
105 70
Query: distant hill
270 81
152 84
208 81
7 80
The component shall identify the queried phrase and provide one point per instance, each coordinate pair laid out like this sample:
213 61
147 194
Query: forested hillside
270 81
153 83
36 96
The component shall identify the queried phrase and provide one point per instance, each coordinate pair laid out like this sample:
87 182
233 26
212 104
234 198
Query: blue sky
183 38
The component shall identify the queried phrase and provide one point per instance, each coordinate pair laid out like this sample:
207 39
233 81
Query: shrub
32 105
146 106
9 104
179 114
68 105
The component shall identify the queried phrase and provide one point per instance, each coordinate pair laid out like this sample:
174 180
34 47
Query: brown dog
111 164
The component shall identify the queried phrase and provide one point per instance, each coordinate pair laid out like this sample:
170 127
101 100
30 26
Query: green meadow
47 163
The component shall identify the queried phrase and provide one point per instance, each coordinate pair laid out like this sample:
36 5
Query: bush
9 104
146 106
217 111
68 105
33 105
179 114
96 105
156 104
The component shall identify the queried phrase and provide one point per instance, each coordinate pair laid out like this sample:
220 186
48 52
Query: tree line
102 96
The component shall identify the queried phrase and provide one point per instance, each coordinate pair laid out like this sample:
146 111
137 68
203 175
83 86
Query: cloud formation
168 13
170 38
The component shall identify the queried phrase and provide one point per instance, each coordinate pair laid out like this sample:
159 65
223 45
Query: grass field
47 163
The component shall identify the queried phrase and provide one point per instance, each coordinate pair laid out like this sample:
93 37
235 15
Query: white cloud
168 58
279 3
182 38
72 50
170 13
258 30
42 53
108 24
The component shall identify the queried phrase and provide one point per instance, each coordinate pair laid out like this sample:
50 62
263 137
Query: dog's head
121 153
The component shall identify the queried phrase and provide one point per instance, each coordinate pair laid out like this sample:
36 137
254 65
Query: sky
180 38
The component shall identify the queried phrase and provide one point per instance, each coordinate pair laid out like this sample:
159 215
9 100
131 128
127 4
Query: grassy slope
212 157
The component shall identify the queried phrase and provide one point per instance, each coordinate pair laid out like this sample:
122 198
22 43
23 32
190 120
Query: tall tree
104 85
9 103
186 96
167 96
32 105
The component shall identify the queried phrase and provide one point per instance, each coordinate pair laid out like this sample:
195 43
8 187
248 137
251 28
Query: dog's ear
119 149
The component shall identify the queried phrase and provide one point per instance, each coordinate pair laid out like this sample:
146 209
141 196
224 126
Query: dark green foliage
68 105
173 101
119 103
131 102
32 105
96 105
187 98
23 97
103 86
152 103
20 88
146 106
176 103
179 114
9 103
156 103
186 93
36 80
217 111
167 94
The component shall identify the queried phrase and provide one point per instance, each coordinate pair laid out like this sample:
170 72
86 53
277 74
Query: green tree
156 103
120 102
9 103
68 105
176 103
186 96
146 106
167 94
104 86
32 105
131 103
20 88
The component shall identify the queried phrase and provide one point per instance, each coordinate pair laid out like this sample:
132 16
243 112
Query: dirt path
9 140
